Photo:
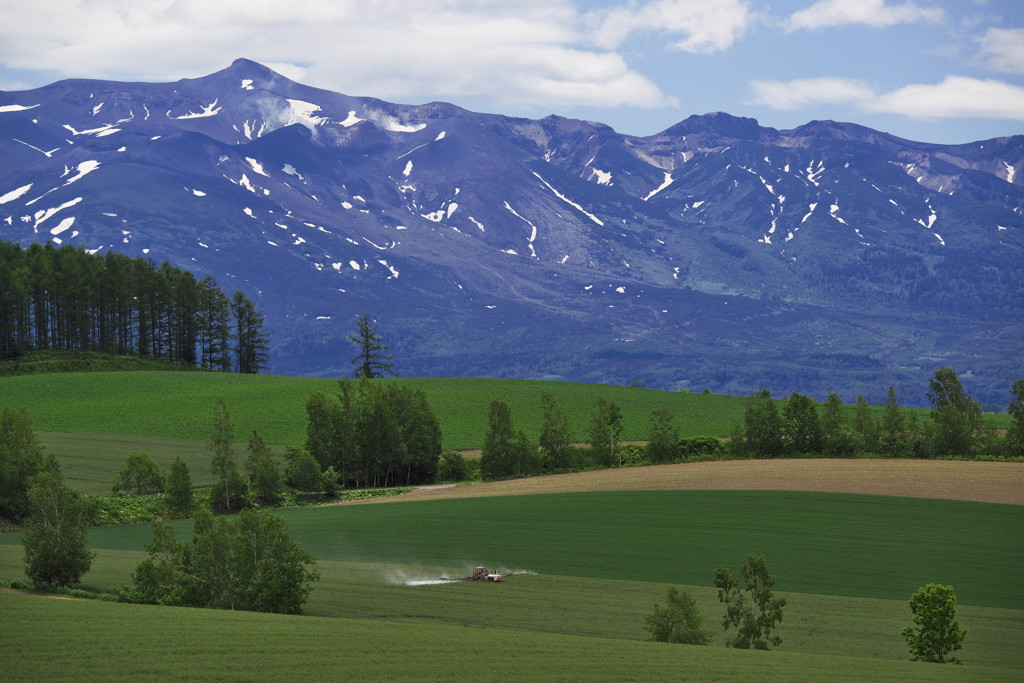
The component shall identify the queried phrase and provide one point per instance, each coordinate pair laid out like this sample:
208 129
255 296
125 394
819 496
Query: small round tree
56 533
936 633
678 621
138 476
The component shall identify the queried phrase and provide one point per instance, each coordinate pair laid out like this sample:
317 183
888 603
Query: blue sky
946 71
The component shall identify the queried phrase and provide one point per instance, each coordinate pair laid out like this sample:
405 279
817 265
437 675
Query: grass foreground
846 563
141 642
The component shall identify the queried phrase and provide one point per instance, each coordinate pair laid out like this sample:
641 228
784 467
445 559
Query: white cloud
799 93
954 97
1002 49
527 52
876 13
702 26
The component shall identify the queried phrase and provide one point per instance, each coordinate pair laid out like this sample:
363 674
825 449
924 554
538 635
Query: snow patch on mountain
46 154
64 225
83 169
930 221
813 174
257 166
100 132
665 183
15 193
569 201
42 215
391 269
16 107
209 110
303 112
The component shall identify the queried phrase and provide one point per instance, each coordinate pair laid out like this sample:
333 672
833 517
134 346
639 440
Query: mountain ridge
551 248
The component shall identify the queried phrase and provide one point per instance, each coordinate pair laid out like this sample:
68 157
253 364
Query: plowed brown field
992 482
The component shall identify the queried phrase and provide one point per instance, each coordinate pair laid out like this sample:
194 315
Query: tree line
68 299
799 427
956 428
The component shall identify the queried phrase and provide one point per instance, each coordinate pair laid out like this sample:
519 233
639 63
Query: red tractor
481 574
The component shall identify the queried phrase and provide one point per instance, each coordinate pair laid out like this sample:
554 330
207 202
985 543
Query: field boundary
987 482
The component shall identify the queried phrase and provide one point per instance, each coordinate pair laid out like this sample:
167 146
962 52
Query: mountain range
716 254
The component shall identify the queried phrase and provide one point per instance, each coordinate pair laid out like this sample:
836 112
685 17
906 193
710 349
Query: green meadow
847 564
179 405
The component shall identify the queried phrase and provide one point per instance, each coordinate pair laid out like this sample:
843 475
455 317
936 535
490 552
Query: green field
91 461
141 642
847 565
179 405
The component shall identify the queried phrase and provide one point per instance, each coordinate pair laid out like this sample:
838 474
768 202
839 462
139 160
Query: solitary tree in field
753 609
936 634
371 361
678 621
56 533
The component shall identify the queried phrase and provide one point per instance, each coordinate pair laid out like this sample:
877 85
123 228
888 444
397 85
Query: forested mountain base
69 299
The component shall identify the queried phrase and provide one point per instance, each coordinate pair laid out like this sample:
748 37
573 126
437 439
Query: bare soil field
991 482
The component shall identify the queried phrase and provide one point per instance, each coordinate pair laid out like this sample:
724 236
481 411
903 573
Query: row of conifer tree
68 299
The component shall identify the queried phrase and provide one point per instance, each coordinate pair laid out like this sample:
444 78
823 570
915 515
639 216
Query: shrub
701 448
452 467
139 475
677 622
633 456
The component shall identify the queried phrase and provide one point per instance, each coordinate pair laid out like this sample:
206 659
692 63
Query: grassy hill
92 420
179 405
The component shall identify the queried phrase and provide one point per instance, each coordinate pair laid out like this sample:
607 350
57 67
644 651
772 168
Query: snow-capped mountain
717 253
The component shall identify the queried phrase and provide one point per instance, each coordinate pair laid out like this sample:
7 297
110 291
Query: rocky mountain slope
718 253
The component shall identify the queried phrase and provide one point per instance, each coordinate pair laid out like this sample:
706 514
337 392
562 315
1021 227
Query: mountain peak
246 69
718 123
